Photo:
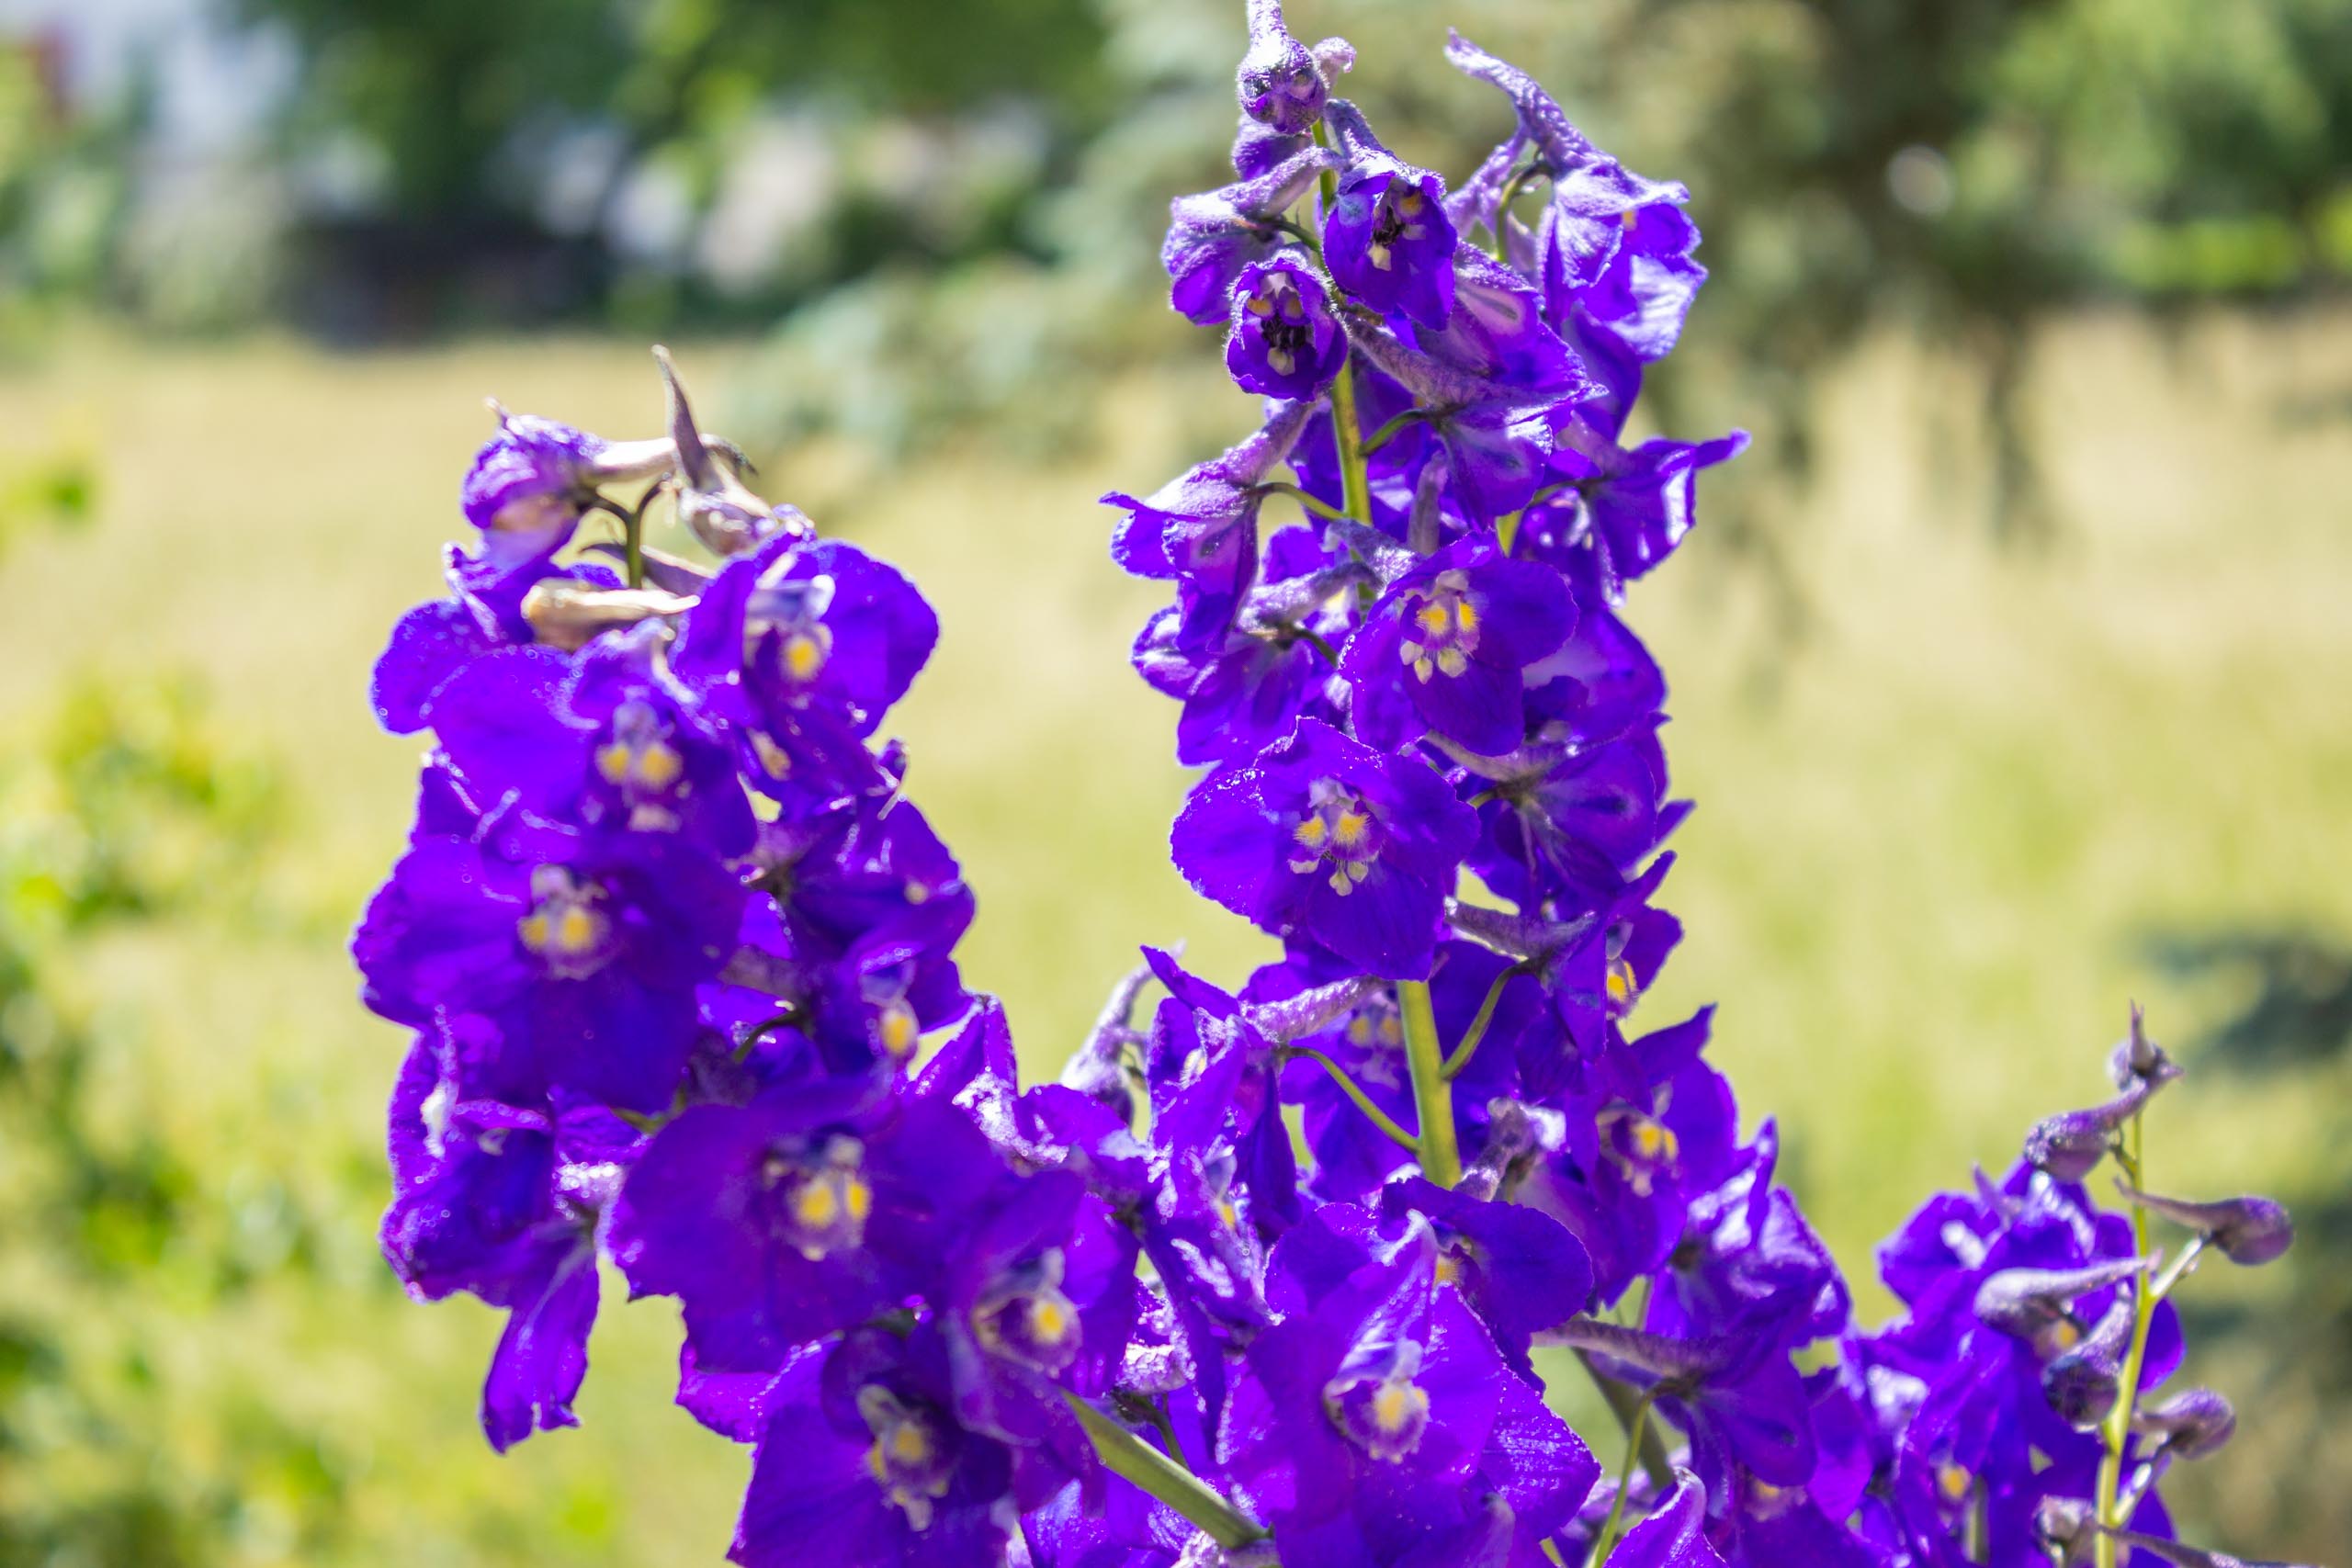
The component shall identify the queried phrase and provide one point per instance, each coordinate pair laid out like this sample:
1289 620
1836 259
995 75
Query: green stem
1432 1095
1606 1542
1478 1029
1346 433
1131 1457
2127 1394
1380 1119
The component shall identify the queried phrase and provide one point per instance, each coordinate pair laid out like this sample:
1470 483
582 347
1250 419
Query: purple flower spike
1326 838
1444 649
2248 1231
1388 240
1284 341
1278 83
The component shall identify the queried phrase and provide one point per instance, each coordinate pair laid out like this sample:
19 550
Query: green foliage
120 810
441 87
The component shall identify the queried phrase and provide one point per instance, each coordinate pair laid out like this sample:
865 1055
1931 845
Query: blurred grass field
1935 835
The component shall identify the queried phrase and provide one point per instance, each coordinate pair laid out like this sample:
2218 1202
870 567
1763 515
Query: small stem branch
1387 432
2182 1266
1622 1403
1478 1029
1432 1095
2127 1394
1139 1461
1313 503
633 534
1380 1119
1606 1542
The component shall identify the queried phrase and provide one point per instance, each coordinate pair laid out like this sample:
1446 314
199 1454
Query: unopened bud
2247 1231
2036 1304
1280 85
2082 1383
713 502
567 614
2066 1528
2070 1144
2190 1425
2137 1056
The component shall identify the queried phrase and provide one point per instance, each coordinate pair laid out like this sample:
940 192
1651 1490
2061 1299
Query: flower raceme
1264 1276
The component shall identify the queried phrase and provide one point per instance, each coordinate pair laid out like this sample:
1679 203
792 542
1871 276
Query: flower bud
2070 1144
2082 1383
2190 1425
2067 1529
1280 84
712 502
2138 1057
2247 1231
568 615
2036 1304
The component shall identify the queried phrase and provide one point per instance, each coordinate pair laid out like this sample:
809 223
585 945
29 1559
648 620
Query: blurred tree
468 110
1964 169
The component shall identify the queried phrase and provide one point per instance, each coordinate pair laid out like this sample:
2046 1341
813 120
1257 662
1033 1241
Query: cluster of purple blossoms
1264 1278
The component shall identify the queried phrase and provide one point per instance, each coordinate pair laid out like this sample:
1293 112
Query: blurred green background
2010 672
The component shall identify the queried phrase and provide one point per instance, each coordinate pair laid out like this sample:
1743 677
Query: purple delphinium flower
860 1461
604 738
1202 527
1380 1425
1284 342
582 949
1628 509
1443 648
1387 239
1497 436
803 646
1614 248
1038 1294
1327 838
502 1203
807 1211
1213 236
1245 678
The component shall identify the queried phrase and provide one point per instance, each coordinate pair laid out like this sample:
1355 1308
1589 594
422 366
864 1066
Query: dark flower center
1442 627
784 627
912 1458
1380 1408
567 929
821 1197
1024 1316
1397 221
1339 829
